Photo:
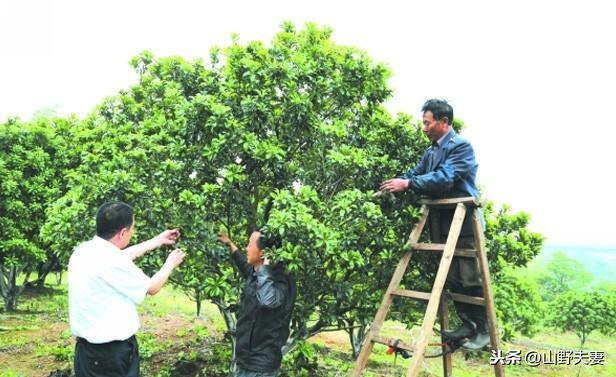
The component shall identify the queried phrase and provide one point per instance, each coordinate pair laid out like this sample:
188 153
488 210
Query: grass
36 340
478 364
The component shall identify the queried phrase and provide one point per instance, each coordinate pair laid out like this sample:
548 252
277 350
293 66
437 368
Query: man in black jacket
265 308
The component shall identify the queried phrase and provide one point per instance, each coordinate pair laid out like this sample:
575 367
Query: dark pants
114 359
465 278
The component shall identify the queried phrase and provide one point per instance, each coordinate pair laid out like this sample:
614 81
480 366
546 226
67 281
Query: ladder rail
379 318
488 295
443 314
439 283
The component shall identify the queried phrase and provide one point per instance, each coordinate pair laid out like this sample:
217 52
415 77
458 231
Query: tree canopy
33 160
294 135
583 313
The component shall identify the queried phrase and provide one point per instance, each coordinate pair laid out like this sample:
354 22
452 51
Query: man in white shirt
104 287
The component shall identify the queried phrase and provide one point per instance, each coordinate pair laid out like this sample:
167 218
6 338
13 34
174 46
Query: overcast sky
534 81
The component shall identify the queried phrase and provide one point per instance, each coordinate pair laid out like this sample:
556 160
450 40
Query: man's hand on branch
175 258
168 237
394 185
223 238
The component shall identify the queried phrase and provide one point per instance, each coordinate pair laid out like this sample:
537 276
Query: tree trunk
233 365
3 281
44 269
354 350
254 210
231 329
10 303
584 335
357 337
289 345
198 302
8 287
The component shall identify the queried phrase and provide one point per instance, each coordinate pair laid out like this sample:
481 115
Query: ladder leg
379 318
375 328
444 321
426 330
487 288
442 309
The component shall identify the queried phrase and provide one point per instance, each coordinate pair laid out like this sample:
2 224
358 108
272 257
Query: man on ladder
448 170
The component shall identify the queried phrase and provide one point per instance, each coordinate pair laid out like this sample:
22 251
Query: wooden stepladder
436 299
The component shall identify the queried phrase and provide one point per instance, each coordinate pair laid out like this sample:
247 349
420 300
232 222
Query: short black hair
112 217
439 108
267 240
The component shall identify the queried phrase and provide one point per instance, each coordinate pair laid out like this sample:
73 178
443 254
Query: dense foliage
583 313
34 158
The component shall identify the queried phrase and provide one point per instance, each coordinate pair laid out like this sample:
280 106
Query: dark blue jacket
447 172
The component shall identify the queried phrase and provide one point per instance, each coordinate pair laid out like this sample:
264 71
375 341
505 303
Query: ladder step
436 247
426 296
451 202
401 344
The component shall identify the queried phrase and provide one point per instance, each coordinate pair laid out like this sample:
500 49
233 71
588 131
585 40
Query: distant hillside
598 260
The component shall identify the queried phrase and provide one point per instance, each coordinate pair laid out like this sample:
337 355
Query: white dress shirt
104 286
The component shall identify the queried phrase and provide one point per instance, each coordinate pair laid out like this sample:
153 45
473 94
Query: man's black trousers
465 278
114 359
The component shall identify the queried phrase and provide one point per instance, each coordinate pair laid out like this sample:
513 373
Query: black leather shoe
479 341
467 330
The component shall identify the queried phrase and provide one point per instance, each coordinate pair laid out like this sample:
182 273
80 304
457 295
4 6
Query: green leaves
508 240
563 274
518 304
583 313
33 160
